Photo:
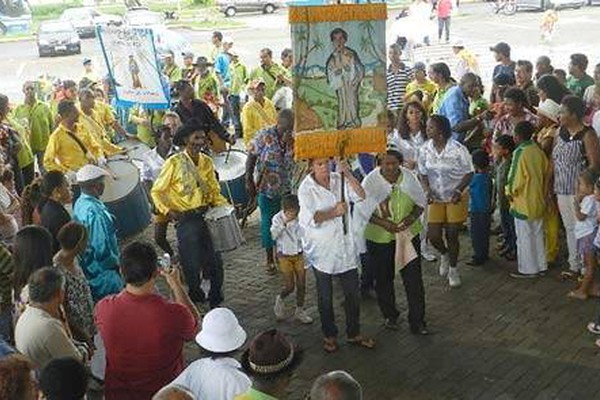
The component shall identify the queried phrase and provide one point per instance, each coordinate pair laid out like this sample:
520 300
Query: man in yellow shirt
184 190
90 121
259 112
420 83
70 148
170 69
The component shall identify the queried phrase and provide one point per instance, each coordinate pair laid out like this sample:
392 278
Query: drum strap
78 141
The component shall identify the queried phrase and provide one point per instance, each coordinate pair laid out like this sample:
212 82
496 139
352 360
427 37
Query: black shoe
474 262
391 324
419 330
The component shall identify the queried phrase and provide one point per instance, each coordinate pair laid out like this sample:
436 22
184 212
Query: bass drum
231 170
126 199
135 150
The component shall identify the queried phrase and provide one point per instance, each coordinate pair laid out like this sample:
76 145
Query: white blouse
326 248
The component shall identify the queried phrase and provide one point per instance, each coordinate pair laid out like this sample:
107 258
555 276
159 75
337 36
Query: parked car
57 37
232 7
15 17
86 19
542 5
143 18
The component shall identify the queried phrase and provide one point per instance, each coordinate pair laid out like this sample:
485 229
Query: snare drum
125 198
231 168
135 150
224 228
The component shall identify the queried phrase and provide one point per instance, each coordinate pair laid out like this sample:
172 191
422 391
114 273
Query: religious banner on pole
133 66
339 79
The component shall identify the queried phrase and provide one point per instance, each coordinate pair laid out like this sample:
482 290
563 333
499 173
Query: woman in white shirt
446 169
408 139
329 247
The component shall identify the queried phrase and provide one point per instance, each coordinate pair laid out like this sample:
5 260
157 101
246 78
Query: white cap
227 39
90 172
458 43
549 109
221 331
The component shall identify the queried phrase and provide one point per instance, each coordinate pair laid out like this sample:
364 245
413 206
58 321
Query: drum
224 228
135 149
126 199
231 169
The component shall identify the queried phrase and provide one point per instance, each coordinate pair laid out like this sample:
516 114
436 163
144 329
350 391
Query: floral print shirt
275 162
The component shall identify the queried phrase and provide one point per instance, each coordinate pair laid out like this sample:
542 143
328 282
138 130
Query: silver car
232 7
86 19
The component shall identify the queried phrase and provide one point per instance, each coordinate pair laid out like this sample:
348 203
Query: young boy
480 208
503 149
287 234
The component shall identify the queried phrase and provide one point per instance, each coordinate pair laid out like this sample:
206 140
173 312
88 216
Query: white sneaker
302 316
428 256
444 264
279 308
454 277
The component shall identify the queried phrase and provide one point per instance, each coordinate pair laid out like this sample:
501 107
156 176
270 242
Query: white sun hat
90 172
221 332
549 109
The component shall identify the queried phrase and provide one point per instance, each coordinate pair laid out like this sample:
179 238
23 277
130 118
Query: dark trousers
382 260
480 235
234 102
349 283
197 254
226 117
444 27
367 280
507 223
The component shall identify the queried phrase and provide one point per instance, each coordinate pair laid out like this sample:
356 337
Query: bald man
174 392
336 385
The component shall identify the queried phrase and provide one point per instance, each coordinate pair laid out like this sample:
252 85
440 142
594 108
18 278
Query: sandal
362 341
330 345
574 294
594 328
271 269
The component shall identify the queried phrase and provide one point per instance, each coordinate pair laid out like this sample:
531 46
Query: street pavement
475 25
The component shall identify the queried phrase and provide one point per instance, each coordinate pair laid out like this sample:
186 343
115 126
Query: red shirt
144 337
444 7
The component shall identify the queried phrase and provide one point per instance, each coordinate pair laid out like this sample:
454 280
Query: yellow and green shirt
269 75
239 77
38 118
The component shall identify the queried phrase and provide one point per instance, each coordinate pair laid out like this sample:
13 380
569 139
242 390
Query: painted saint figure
134 70
345 72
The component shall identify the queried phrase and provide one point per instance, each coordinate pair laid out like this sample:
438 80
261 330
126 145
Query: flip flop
271 269
362 341
330 345
574 295
594 328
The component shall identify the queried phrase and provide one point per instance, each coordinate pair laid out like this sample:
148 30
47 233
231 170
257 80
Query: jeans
444 27
507 223
480 235
226 117
367 280
234 103
6 324
382 260
197 254
349 283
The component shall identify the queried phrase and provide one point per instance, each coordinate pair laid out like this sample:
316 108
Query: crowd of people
74 300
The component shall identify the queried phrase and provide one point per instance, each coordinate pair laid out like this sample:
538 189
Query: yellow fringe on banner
337 13
322 144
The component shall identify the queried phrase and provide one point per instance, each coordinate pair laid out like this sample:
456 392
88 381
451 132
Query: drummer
184 190
100 261
90 121
70 148
272 149
153 162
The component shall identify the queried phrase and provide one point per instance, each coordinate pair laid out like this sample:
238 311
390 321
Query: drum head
127 178
232 166
216 213
135 149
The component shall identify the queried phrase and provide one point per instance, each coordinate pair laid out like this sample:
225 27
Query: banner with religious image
339 79
132 62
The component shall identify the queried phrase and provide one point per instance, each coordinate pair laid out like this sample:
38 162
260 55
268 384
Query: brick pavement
493 338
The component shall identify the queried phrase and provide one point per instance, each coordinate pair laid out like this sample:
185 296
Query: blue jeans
6 325
480 235
197 254
234 105
444 27
507 223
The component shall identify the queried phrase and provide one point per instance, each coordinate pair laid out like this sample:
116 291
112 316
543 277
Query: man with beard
184 190
274 75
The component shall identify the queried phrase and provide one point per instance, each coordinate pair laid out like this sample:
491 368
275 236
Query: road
578 31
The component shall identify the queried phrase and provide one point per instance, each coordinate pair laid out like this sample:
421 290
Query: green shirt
239 77
269 75
40 121
174 73
253 394
207 88
578 86
400 206
440 95
25 155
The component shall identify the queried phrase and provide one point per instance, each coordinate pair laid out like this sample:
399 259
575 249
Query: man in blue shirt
221 67
100 261
480 208
455 106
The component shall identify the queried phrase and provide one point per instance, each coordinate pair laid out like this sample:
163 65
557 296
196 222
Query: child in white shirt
586 226
287 234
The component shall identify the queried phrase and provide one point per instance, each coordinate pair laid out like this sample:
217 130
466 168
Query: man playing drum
273 150
184 190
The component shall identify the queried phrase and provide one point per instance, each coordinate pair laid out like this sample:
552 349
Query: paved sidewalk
493 338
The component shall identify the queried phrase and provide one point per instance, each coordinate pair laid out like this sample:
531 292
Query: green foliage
52 11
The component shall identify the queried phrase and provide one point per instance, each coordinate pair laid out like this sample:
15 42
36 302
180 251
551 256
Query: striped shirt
6 274
568 156
396 86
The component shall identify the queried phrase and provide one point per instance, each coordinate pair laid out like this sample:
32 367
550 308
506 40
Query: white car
86 19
